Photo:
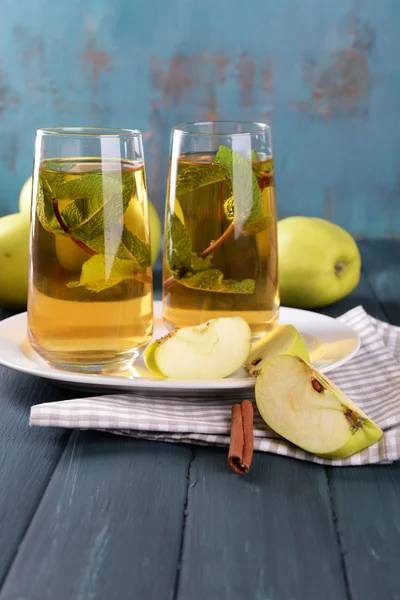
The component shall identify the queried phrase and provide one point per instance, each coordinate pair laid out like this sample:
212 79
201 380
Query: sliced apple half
284 339
306 408
211 350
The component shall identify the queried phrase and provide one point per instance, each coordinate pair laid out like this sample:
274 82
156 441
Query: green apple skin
150 356
155 232
326 423
14 260
364 437
131 216
283 339
319 262
69 255
25 198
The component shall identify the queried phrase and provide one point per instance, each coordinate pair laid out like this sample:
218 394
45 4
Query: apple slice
284 339
211 350
307 409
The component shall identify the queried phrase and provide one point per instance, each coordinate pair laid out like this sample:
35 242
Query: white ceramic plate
331 344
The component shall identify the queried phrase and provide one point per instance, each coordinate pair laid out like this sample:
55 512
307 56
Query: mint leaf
180 256
94 216
84 185
212 280
45 212
98 274
90 192
134 248
192 176
248 202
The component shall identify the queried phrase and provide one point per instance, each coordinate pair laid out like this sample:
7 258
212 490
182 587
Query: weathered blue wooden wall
325 74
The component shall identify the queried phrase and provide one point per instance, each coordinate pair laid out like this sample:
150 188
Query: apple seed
316 385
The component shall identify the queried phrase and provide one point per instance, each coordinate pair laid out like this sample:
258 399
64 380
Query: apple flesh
14 260
211 350
306 408
319 262
284 339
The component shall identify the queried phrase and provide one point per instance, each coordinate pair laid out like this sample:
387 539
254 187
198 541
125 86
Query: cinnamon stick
242 440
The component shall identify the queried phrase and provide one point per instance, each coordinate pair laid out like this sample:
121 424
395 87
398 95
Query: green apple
306 408
284 339
155 232
211 350
69 255
178 212
14 260
319 262
25 197
133 217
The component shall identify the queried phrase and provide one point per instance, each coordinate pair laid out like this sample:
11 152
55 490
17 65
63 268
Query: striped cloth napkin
371 379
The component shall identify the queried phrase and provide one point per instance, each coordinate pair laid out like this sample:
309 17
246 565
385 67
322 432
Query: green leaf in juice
191 177
212 280
246 205
180 255
194 271
93 219
101 272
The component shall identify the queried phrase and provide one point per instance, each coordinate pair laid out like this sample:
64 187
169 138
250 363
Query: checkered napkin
371 379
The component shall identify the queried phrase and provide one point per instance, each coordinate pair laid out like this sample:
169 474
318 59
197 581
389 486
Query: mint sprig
93 219
246 205
193 271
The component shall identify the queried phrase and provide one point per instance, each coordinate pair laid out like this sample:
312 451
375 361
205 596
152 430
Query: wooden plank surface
381 262
109 525
269 534
366 500
366 503
267 544
27 456
120 519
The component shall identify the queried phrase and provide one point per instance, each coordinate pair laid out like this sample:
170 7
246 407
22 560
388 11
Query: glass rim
251 127
89 131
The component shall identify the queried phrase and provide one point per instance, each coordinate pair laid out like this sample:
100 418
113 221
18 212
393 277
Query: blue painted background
324 74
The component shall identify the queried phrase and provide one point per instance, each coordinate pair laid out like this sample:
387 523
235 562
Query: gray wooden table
92 516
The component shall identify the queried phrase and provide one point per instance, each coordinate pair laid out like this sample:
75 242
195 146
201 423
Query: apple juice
220 257
90 288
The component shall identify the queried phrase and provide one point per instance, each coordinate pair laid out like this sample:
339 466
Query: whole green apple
319 262
25 197
14 260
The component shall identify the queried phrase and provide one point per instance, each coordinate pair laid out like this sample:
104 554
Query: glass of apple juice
220 242
90 301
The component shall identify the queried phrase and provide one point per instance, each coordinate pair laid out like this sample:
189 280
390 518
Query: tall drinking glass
90 303
220 253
